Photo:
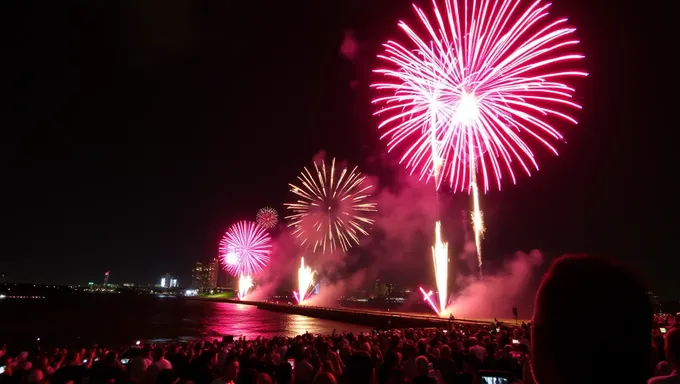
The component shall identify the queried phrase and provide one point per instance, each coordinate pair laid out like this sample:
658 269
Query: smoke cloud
495 295
284 257
349 48
329 294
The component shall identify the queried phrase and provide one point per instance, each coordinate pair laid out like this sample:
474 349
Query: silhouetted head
422 365
592 324
673 347
158 354
325 378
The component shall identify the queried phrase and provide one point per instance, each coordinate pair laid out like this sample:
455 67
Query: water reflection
247 320
116 320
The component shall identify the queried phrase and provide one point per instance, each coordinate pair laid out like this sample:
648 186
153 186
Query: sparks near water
244 251
440 262
244 285
333 207
463 98
267 217
305 282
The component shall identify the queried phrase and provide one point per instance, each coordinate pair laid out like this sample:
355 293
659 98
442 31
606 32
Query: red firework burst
267 217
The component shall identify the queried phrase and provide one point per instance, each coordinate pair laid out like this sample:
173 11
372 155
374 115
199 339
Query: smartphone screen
2 370
663 330
292 363
124 361
515 341
494 380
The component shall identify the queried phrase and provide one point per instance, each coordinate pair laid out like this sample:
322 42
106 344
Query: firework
245 248
463 98
484 77
305 282
244 285
267 217
332 207
440 256
427 296
477 223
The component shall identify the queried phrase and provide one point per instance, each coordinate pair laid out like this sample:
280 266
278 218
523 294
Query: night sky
134 133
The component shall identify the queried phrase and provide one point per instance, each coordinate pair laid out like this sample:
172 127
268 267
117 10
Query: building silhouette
204 275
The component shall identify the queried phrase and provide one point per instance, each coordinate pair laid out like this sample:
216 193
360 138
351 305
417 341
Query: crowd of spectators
562 345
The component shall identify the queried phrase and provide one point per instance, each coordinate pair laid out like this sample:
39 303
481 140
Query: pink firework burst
472 93
244 249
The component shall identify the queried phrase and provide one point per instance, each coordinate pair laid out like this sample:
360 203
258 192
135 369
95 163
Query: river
116 320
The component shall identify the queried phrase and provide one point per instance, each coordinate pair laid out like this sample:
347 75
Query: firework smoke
495 295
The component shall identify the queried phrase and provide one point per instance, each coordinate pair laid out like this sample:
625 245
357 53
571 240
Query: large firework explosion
267 217
244 250
463 98
332 207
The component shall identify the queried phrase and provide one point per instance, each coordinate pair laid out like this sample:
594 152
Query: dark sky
136 132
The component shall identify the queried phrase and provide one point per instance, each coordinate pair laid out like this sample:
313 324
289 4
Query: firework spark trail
244 285
440 256
477 218
477 225
305 281
332 207
427 296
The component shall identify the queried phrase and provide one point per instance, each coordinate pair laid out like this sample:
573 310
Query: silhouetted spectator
673 355
576 290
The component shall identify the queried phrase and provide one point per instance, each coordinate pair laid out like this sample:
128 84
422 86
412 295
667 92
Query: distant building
168 281
204 275
389 289
380 289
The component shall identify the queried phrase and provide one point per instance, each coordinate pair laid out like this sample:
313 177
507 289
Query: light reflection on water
238 319
116 320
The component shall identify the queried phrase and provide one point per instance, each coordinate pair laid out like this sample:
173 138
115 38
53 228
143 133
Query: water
116 320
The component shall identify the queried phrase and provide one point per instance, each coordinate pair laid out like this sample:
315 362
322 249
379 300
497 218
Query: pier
372 318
